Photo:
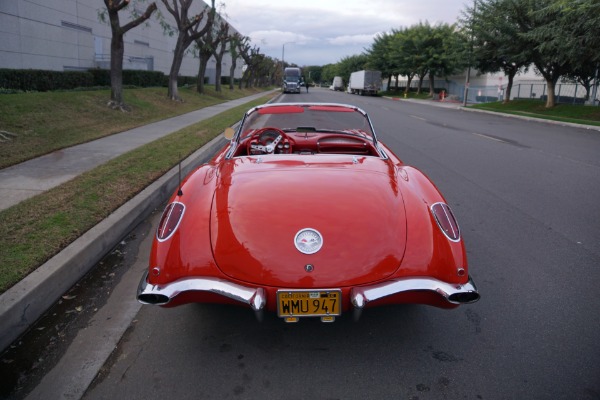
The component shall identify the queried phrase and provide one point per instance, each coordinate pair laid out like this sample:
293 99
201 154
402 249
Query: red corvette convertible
306 214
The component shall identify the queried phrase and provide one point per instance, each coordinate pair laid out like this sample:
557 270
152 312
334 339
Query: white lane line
490 138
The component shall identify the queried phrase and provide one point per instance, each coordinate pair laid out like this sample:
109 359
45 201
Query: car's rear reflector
446 221
170 220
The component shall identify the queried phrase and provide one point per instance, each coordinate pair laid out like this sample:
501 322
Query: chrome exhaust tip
464 297
153 299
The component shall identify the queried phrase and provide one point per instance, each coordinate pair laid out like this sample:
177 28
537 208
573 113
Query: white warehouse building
68 35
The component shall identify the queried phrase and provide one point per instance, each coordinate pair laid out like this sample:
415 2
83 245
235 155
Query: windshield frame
291 108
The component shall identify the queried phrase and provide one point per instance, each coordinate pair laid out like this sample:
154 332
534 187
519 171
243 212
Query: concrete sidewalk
25 302
459 106
436 103
38 175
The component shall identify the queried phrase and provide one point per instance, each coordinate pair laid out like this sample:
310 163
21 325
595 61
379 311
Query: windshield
306 118
291 79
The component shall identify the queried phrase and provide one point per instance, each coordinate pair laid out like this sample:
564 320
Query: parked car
305 213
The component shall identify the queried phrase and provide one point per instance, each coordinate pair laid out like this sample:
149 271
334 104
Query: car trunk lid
260 206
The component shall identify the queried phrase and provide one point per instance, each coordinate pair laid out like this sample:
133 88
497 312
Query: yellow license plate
309 303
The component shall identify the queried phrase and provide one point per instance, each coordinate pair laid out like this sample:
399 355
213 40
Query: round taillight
170 220
446 221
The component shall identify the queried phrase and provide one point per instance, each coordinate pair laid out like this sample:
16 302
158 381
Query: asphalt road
525 196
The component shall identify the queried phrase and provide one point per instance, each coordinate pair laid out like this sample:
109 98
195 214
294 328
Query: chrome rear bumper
454 294
256 298
147 293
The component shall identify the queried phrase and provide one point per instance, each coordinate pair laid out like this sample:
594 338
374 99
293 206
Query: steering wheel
269 140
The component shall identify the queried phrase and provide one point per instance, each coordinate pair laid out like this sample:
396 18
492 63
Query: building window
78 27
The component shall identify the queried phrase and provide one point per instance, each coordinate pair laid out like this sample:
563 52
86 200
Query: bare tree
219 51
249 56
206 45
188 31
117 47
256 59
234 43
244 48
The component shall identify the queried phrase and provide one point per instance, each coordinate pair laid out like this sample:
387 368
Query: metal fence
565 93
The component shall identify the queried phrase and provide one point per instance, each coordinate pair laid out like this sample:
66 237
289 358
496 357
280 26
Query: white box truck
365 82
338 83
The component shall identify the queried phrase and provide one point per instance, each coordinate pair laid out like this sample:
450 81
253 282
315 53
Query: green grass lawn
40 123
578 114
589 115
40 227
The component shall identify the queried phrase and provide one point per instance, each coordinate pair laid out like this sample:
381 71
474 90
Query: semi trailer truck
292 80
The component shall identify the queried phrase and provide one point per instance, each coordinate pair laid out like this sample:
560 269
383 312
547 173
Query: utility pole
595 87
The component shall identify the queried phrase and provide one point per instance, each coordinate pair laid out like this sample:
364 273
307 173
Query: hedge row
131 77
487 99
564 99
42 81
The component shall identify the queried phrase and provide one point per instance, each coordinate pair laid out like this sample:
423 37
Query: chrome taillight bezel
170 220
446 221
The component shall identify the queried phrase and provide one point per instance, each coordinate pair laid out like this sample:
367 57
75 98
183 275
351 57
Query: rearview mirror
229 132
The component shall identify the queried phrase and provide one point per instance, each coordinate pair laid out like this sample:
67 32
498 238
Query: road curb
24 303
533 119
460 107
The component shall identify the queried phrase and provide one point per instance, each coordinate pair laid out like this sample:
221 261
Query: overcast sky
325 31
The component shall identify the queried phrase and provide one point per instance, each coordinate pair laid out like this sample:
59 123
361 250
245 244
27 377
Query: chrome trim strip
270 104
360 296
163 294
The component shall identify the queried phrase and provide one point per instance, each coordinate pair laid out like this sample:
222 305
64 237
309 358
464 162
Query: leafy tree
328 72
405 54
538 21
267 70
497 45
313 73
380 55
347 65
420 35
117 47
445 52
579 27
586 76
261 72
188 30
